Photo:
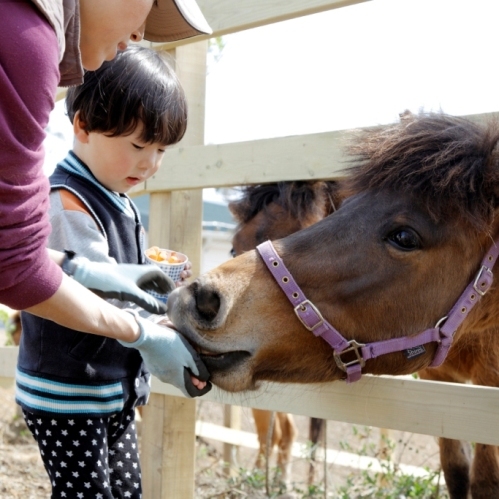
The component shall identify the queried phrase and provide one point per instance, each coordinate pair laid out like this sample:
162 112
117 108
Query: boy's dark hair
139 86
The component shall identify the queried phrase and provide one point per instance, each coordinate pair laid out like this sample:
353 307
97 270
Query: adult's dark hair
139 86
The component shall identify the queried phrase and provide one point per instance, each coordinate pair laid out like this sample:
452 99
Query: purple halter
442 333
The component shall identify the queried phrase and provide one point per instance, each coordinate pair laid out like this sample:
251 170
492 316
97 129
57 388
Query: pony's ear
238 208
406 115
334 195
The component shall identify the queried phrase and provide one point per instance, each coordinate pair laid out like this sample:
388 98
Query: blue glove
169 357
125 281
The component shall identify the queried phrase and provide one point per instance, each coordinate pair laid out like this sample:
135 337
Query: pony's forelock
450 164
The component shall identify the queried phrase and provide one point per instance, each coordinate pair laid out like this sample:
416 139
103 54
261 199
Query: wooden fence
168 439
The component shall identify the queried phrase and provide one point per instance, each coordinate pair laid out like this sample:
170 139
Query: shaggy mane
297 198
449 163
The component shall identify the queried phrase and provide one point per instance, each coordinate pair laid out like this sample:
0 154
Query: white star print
128 494
59 444
54 422
64 433
79 495
98 430
119 482
105 485
39 421
90 422
120 464
76 443
81 464
128 436
83 433
87 485
48 433
88 453
44 442
99 463
63 464
63 494
136 485
128 475
57 474
69 453
128 455
71 422
69 485
94 474
135 465
121 445
94 442
98 496
75 474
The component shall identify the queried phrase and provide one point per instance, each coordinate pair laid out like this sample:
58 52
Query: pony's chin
224 362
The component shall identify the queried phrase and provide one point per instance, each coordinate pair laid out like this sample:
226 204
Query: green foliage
8 325
390 482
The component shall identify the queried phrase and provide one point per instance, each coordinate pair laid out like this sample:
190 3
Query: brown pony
391 262
272 211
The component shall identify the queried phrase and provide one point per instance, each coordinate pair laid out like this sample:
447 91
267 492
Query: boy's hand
185 274
171 358
126 282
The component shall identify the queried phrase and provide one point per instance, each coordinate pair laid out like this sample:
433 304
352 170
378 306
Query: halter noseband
442 333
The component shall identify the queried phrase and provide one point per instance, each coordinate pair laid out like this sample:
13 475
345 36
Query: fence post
168 430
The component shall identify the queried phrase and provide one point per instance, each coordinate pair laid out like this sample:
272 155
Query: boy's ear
79 129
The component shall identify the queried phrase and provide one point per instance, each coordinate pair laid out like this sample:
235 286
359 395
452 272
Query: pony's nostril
207 302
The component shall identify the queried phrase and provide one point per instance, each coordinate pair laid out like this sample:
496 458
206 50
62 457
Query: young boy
78 391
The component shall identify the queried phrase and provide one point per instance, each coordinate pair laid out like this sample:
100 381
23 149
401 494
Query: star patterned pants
95 458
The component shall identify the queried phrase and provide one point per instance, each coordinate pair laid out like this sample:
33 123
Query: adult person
46 43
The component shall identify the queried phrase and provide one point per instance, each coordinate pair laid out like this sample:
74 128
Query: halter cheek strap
442 333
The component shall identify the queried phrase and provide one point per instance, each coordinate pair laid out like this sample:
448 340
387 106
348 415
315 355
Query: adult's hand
169 357
126 282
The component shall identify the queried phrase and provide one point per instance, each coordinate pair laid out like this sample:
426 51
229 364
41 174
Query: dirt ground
22 475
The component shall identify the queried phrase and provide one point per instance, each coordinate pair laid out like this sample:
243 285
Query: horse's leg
485 467
315 432
262 423
285 443
455 456
485 472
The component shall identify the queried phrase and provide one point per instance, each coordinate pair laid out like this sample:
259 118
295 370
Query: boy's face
109 25
118 163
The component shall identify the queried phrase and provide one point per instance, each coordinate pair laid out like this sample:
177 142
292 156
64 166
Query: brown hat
171 20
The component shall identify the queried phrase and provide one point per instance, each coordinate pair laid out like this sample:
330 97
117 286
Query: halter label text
410 353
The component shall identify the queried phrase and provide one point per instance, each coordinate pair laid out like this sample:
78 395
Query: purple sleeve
29 75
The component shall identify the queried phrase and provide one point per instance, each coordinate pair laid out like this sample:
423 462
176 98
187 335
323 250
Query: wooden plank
441 409
232 421
176 223
228 16
301 157
8 362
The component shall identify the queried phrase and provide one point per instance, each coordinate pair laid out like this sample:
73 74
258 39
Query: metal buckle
354 347
475 283
314 308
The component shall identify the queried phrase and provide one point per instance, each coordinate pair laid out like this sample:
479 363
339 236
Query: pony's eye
233 252
404 239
